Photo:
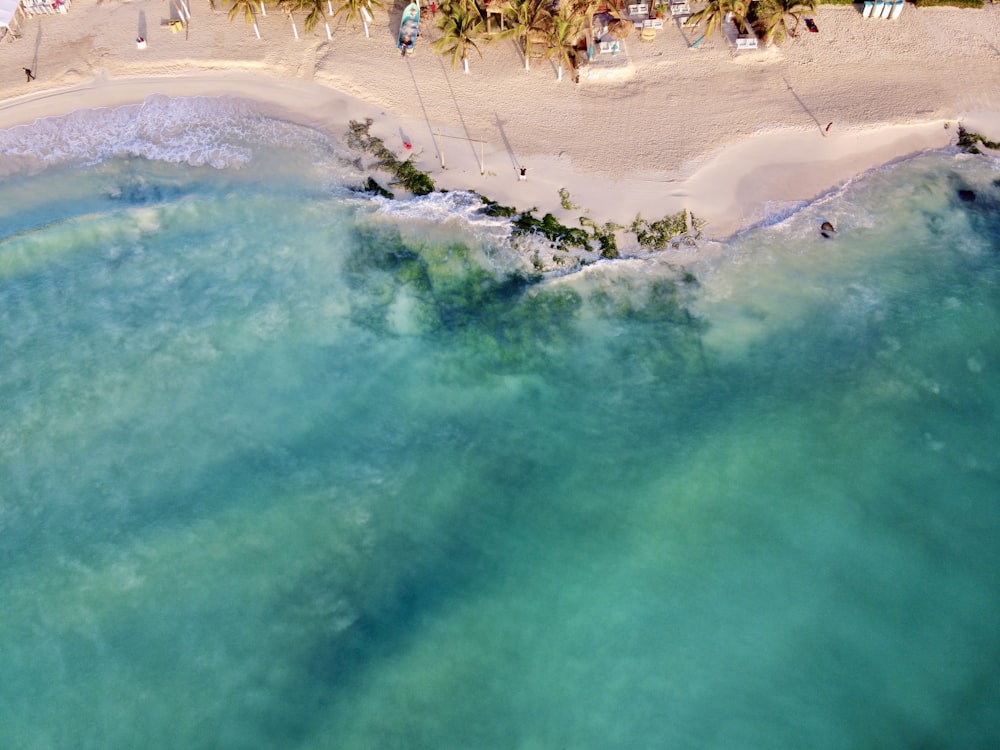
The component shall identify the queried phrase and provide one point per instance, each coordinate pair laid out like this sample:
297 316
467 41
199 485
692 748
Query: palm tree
461 26
715 13
352 10
567 27
529 20
288 7
248 9
773 15
315 15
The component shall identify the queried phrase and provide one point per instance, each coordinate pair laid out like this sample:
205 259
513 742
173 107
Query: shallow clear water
282 467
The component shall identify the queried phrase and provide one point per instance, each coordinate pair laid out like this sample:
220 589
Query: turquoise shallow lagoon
281 466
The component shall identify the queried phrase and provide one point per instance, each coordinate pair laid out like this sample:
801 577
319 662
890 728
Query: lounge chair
877 10
897 8
867 10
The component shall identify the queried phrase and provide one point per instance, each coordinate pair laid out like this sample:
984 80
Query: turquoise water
285 467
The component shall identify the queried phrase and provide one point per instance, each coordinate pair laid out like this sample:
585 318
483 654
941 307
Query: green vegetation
461 25
605 236
713 14
773 16
549 227
492 208
667 232
353 10
951 3
406 174
564 200
970 142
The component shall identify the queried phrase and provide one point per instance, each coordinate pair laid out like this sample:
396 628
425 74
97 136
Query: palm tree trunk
295 29
559 72
263 10
527 53
366 18
465 65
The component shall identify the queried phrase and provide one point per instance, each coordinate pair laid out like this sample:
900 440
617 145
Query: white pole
263 10
329 36
482 157
465 64
367 35
295 29
256 30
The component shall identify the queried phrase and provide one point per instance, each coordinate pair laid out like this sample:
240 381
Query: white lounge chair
746 41
897 8
866 12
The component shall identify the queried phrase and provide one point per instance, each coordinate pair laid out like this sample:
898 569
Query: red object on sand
407 145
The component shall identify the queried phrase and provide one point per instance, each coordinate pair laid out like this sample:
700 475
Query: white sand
722 133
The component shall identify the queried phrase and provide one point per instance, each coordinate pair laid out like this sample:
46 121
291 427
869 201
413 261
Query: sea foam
220 132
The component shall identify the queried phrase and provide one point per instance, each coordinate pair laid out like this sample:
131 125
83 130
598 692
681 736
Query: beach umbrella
620 29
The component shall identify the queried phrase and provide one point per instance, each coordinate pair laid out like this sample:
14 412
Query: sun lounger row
882 9
649 23
39 7
746 41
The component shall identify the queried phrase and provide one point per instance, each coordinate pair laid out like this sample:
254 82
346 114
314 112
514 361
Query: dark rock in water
139 192
826 229
967 196
373 188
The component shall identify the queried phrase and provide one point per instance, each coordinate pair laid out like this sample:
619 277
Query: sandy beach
730 135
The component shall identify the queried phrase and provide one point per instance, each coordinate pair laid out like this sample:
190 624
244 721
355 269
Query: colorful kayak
409 28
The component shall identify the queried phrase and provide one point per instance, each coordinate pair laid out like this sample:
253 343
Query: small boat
409 28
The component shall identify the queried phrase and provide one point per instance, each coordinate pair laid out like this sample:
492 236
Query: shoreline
612 166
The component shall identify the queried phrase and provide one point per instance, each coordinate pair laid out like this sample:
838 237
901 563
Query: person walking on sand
828 126
524 175
29 74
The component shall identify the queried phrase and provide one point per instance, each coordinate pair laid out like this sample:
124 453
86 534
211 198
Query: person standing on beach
524 174
29 74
